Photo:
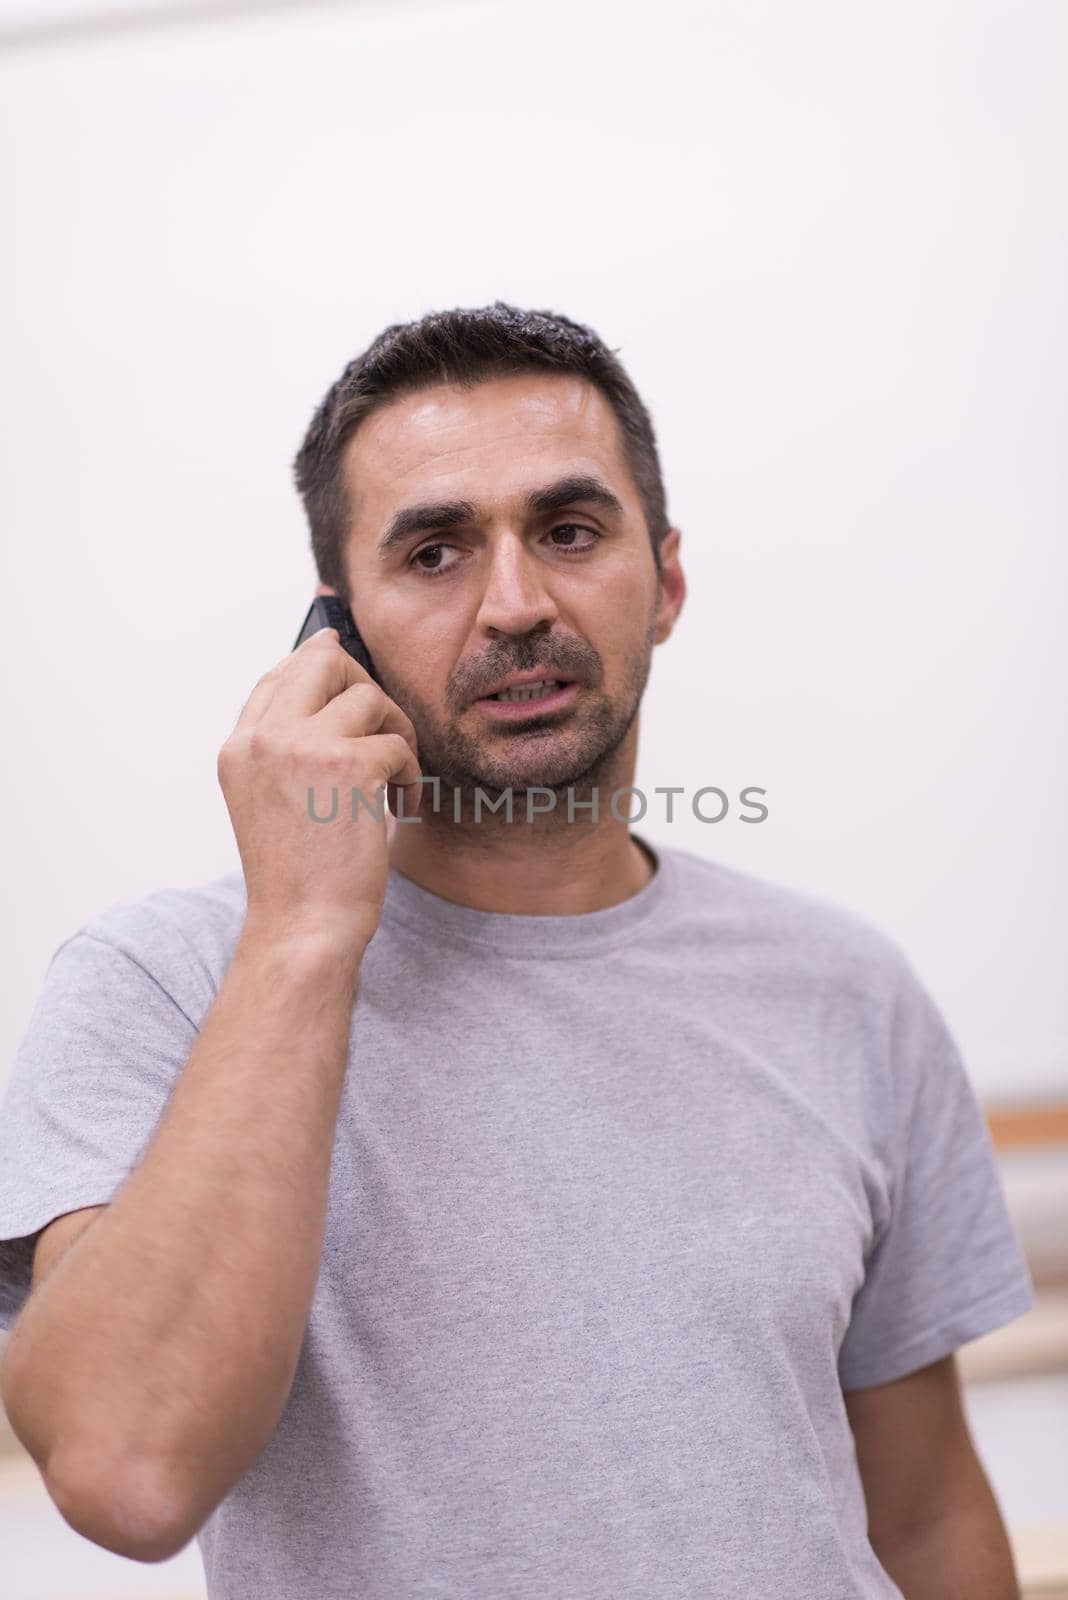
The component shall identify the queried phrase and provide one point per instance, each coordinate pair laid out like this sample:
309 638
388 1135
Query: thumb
405 800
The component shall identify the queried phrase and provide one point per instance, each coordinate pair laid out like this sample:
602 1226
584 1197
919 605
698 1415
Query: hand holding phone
317 721
327 611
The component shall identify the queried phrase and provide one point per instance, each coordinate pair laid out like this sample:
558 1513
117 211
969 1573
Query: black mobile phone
327 611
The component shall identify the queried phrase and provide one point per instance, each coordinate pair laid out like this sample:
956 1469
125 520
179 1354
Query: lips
517 680
556 702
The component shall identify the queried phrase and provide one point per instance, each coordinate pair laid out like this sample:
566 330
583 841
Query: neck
546 867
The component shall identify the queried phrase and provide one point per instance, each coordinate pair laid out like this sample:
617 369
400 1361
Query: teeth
528 691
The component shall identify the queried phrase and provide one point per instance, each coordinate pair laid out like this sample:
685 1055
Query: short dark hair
463 347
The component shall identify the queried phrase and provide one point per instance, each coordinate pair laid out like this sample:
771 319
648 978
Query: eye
574 527
428 549
416 564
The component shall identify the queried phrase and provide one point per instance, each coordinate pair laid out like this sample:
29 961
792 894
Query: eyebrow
429 517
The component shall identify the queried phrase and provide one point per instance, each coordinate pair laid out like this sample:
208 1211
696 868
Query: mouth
529 699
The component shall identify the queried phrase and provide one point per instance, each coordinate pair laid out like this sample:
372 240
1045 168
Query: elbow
133 1511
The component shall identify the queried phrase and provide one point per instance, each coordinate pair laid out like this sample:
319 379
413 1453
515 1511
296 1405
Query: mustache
580 668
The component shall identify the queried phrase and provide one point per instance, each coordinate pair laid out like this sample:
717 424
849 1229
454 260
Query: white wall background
829 241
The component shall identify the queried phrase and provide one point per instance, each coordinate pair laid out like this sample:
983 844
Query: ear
324 588
672 585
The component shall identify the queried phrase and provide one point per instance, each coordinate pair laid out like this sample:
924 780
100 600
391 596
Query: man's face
460 578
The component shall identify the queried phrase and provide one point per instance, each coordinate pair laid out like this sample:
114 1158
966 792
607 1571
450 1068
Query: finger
364 708
405 801
259 699
264 692
360 711
311 677
391 760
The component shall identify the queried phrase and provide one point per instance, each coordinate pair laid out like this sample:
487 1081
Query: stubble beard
579 751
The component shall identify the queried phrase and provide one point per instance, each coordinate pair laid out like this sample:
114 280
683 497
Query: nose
515 599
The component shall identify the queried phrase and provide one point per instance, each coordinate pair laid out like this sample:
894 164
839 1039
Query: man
455 1207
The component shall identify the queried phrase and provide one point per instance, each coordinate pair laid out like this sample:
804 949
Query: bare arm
963 1555
933 1520
150 1367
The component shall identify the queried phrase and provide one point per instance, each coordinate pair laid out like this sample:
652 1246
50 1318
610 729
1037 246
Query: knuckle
262 744
370 763
400 748
310 753
370 694
332 760
232 752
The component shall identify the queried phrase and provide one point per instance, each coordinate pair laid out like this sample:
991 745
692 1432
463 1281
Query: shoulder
790 929
182 937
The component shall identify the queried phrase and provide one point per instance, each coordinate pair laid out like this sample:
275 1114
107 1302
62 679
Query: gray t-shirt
619 1204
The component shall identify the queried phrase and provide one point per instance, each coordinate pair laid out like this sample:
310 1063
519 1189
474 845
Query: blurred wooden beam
1021 1126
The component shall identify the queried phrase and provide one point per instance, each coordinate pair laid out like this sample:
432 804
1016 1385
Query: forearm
963 1554
162 1346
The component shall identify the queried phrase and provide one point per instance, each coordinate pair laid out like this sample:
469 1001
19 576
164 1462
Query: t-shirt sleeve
106 1041
946 1265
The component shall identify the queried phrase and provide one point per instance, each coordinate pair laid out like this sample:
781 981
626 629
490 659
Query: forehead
486 444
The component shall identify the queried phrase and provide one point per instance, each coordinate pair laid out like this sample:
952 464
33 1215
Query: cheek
624 633
416 657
